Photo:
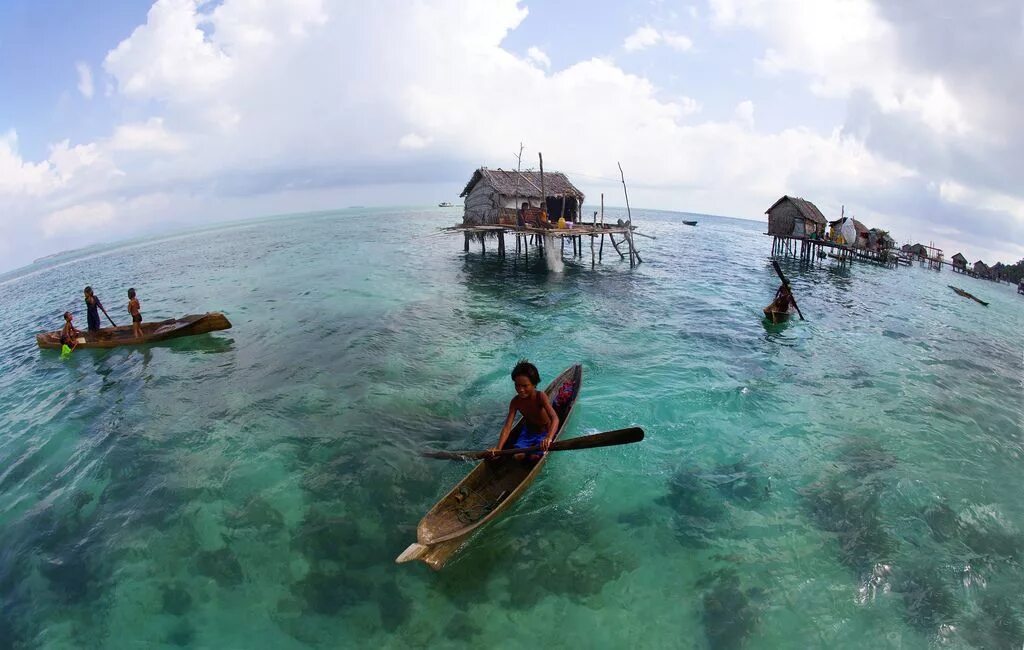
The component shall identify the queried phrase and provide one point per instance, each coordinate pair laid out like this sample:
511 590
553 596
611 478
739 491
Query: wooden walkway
535 236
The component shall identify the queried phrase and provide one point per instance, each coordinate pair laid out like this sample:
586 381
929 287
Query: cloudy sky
119 119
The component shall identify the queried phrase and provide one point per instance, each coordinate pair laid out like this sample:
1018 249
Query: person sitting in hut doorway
521 215
540 421
135 309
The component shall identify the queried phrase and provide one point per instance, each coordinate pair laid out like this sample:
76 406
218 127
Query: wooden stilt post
483 248
501 243
600 250
466 235
611 238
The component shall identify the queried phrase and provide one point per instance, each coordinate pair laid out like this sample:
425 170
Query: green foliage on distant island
1013 272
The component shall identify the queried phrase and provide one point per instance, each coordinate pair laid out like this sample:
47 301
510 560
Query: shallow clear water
848 481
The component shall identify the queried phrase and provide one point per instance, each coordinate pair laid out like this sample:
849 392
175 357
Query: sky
135 117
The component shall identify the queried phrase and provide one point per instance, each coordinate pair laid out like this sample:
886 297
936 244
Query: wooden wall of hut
480 205
782 220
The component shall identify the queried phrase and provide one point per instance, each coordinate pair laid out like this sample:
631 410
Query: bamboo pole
629 219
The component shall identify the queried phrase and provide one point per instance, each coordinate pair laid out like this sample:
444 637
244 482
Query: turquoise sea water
849 481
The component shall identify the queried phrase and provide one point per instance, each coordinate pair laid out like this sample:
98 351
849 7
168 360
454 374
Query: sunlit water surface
849 481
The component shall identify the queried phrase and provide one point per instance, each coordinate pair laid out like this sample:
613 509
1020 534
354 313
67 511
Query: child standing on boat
92 309
134 308
540 422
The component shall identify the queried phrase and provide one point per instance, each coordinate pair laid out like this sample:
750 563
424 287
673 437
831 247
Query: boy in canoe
68 333
135 309
540 422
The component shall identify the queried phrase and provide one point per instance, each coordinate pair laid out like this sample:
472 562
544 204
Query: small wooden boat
112 337
445 204
776 316
690 223
488 490
961 292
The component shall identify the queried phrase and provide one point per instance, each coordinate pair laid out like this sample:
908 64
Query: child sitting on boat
134 308
68 333
540 421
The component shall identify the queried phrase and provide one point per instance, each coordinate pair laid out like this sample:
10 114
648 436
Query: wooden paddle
786 282
605 439
107 315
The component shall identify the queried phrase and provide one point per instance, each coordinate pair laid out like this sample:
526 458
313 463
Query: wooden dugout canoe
112 337
487 491
776 316
961 292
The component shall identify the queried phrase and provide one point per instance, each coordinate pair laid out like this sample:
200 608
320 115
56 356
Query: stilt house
959 263
794 217
492 196
862 234
981 269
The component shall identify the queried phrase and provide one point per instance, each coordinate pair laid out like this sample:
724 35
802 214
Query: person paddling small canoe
780 308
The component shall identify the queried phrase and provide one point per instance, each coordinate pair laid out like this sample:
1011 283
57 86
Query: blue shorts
529 438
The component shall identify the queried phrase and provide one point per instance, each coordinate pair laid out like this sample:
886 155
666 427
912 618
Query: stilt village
537 208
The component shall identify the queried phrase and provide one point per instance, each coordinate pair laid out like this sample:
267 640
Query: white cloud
642 38
647 36
84 79
77 219
677 41
413 141
744 112
18 177
146 136
537 55
244 101
845 46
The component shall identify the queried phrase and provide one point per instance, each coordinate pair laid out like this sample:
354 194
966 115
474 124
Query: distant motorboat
445 204
690 223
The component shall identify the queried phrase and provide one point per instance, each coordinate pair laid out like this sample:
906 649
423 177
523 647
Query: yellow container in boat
561 222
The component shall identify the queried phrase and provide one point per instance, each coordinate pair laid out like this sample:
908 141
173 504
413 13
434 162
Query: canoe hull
485 493
776 316
112 337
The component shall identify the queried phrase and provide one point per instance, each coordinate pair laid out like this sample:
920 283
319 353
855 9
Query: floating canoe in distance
690 223
112 337
488 490
961 292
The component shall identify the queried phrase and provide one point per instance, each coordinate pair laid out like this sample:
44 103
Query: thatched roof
528 185
807 209
860 228
959 258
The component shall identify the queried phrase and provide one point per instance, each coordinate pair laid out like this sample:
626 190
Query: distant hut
906 248
920 251
492 196
981 269
862 234
795 217
959 263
